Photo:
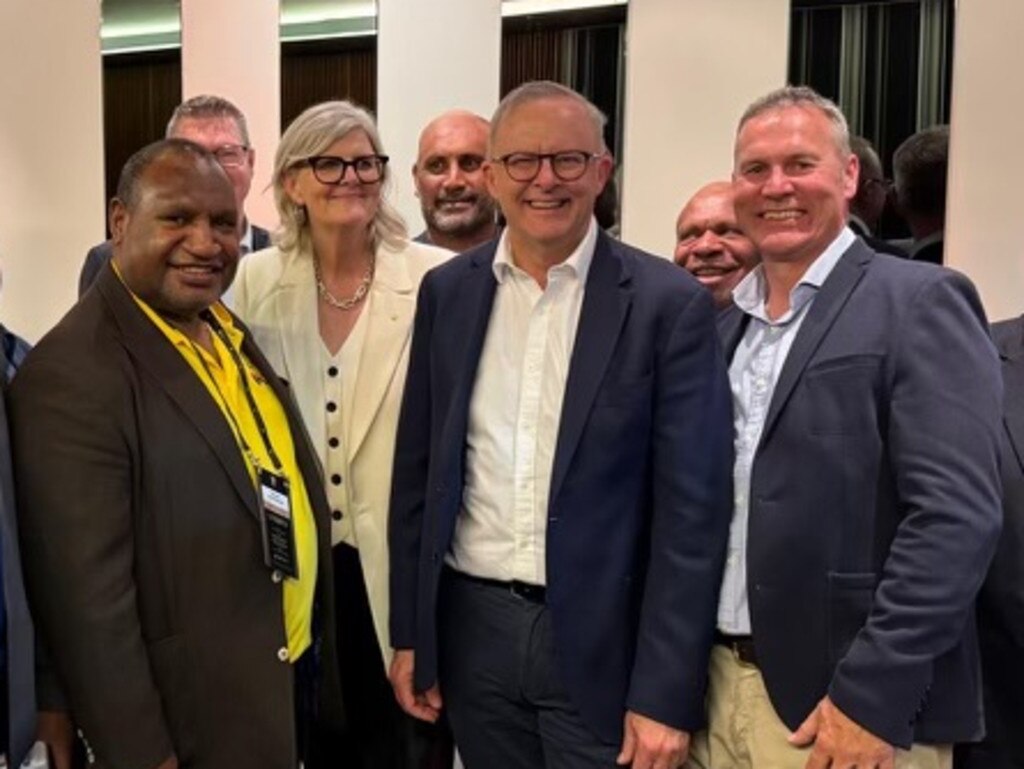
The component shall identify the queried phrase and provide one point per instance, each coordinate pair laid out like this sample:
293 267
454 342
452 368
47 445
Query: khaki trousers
744 731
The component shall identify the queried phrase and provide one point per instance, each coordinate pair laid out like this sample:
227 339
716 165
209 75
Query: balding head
448 174
710 244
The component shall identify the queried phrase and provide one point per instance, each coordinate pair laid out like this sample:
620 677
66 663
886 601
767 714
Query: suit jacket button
282 654
276 576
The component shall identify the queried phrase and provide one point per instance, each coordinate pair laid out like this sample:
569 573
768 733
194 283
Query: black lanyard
253 408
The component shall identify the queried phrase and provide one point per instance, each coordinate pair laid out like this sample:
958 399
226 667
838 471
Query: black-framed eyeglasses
231 155
568 166
330 169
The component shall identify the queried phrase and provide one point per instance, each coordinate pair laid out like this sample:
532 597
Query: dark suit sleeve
943 437
409 479
691 476
72 435
94 261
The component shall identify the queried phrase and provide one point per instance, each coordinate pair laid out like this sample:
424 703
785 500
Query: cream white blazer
275 294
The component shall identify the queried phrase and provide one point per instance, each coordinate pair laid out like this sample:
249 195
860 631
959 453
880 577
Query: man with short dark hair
561 487
174 529
218 125
711 245
866 395
920 165
449 177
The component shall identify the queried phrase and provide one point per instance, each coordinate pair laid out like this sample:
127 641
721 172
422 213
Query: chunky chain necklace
345 303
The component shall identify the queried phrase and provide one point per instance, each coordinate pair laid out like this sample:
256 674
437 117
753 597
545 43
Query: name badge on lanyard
278 526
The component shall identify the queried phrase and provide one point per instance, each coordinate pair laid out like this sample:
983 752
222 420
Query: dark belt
523 590
740 645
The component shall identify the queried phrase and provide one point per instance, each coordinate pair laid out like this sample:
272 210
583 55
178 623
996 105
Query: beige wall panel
232 48
431 56
691 68
985 204
51 156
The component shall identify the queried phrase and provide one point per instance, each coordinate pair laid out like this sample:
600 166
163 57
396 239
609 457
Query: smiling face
792 183
177 245
449 175
710 244
547 217
350 202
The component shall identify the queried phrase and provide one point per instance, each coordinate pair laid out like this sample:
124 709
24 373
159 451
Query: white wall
231 48
432 55
692 66
985 203
51 156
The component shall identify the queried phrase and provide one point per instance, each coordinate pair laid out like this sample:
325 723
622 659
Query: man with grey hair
561 486
218 125
449 176
920 167
866 395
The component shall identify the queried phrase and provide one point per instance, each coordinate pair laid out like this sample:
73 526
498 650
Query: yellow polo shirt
226 389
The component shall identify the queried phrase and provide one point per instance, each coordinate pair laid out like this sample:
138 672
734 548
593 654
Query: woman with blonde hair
331 306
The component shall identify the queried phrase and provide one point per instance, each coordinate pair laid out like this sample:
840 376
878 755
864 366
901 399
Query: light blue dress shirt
753 373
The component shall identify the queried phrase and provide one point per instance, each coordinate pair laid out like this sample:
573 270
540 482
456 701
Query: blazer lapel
173 374
820 317
297 323
389 325
605 304
1013 385
732 323
477 289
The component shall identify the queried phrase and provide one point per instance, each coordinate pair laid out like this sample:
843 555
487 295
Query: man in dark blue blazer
867 401
561 489
1001 601
17 656
218 125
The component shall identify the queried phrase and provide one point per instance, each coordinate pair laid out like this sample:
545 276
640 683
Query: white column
231 48
51 156
431 57
692 68
985 201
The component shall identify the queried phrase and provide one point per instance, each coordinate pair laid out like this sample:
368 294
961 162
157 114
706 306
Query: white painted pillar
985 199
231 48
51 156
692 67
431 57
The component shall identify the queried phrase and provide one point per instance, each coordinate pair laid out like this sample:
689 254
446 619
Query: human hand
425 706
648 744
841 741
55 730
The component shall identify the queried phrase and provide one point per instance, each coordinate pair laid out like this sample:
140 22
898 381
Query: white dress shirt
514 414
753 374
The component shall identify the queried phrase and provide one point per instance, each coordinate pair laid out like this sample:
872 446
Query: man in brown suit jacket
142 525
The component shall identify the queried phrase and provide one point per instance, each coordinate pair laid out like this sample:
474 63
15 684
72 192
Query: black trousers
378 734
501 686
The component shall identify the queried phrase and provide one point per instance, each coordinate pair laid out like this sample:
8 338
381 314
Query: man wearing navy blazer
218 125
867 398
17 650
561 491
1001 600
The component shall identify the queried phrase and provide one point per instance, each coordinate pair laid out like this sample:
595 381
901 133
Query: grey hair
207 107
539 90
310 134
919 168
802 96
